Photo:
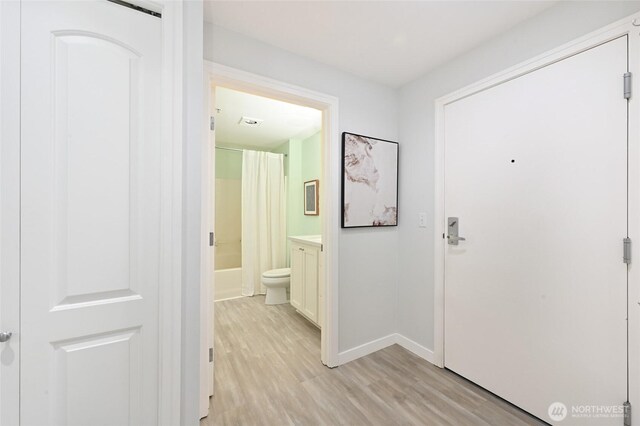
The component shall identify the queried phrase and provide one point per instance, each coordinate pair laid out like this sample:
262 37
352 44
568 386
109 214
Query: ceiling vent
250 122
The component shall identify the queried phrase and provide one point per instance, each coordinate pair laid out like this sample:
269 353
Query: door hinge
210 354
627 85
626 407
212 123
211 239
626 250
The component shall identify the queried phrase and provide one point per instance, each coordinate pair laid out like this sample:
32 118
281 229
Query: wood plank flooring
268 372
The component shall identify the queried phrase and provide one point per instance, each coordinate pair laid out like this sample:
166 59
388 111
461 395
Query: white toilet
277 282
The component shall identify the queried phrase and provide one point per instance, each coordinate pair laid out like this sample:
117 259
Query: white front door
91 209
536 297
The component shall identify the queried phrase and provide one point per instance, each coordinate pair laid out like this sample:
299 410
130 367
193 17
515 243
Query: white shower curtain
263 218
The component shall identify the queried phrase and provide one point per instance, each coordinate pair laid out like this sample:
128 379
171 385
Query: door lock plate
452 235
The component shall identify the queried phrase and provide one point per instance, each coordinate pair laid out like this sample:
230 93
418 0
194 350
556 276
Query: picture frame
369 181
311 198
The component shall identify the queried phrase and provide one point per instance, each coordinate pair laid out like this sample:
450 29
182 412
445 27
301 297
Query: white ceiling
391 42
282 121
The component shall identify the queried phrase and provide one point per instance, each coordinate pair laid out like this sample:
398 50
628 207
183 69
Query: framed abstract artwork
369 181
311 198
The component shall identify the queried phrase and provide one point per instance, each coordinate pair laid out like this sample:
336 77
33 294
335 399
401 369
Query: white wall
193 100
368 257
552 28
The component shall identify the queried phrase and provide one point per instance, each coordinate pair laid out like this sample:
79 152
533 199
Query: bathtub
228 284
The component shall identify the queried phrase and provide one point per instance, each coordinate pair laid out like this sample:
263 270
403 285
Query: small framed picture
311 198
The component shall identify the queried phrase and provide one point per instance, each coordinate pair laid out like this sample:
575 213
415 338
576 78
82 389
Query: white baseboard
228 298
419 350
366 349
383 342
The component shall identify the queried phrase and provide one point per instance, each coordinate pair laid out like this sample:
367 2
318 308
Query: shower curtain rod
239 150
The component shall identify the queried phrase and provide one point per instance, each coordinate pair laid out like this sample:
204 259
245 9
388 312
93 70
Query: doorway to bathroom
272 190
267 158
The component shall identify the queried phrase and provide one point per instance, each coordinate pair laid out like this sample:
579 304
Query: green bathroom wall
310 170
284 149
228 164
294 194
304 165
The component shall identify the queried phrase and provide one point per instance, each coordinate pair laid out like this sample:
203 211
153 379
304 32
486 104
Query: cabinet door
310 307
297 276
321 302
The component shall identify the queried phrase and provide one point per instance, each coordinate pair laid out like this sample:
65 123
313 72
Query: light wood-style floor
268 372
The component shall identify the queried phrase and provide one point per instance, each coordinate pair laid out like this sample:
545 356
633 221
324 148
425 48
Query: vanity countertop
314 240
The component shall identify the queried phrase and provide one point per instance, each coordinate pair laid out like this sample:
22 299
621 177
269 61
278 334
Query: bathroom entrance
268 260
267 168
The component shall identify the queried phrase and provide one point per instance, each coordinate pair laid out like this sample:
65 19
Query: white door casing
535 298
207 369
91 213
212 225
241 80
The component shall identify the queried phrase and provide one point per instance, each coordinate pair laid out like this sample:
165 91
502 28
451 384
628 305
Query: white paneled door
536 296
90 200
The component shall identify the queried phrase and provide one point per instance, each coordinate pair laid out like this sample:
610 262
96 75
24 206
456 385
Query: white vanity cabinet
305 277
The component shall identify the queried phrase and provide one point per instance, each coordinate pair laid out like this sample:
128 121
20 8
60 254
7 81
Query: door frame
222 75
170 294
627 26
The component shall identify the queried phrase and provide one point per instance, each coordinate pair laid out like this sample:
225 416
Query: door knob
4 336
452 235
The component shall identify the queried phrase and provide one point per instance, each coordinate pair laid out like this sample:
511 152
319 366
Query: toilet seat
277 273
